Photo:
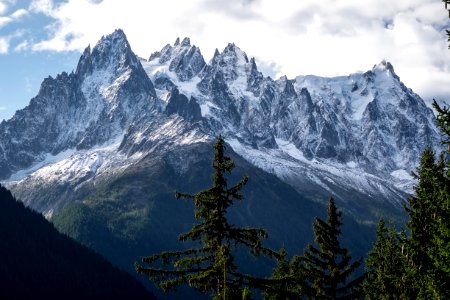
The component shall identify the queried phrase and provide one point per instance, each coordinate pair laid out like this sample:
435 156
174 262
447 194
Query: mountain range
101 150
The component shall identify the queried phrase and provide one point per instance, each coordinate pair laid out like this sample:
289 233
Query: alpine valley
102 150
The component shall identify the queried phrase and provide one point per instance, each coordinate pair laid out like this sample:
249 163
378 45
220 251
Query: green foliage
210 268
246 294
327 267
102 224
422 259
443 119
447 2
417 265
287 280
429 242
388 274
323 271
429 210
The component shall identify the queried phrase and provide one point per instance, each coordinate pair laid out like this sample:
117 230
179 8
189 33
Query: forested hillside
38 262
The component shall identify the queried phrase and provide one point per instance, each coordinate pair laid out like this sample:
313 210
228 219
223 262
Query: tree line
413 263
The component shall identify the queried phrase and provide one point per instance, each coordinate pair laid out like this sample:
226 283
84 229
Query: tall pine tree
427 251
211 267
441 257
429 210
424 263
441 254
328 266
388 275
422 258
428 224
287 280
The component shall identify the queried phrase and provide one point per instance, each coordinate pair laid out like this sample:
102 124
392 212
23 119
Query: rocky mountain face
108 92
360 133
365 130
101 150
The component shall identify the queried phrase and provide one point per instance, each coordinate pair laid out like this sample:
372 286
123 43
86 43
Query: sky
41 38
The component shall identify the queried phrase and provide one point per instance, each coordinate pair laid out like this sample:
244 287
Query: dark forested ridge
37 262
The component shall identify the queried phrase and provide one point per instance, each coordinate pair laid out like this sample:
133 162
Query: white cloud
4 45
4 21
5 41
22 46
42 6
3 8
290 37
19 14
4 5
15 16
3 108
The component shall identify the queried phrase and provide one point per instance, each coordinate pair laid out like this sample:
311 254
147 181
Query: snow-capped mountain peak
80 110
232 62
184 60
232 67
112 53
368 128
186 42
384 66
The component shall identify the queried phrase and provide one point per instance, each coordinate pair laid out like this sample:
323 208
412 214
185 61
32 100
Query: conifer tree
425 211
328 266
287 282
441 237
422 259
388 275
447 3
429 211
424 265
428 246
440 254
443 119
211 267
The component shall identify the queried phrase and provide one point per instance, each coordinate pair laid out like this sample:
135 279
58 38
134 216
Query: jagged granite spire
186 42
84 66
184 59
113 52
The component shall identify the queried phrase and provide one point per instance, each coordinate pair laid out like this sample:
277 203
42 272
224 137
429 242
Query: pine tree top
211 267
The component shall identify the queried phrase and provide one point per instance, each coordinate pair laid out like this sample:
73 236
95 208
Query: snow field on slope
289 164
